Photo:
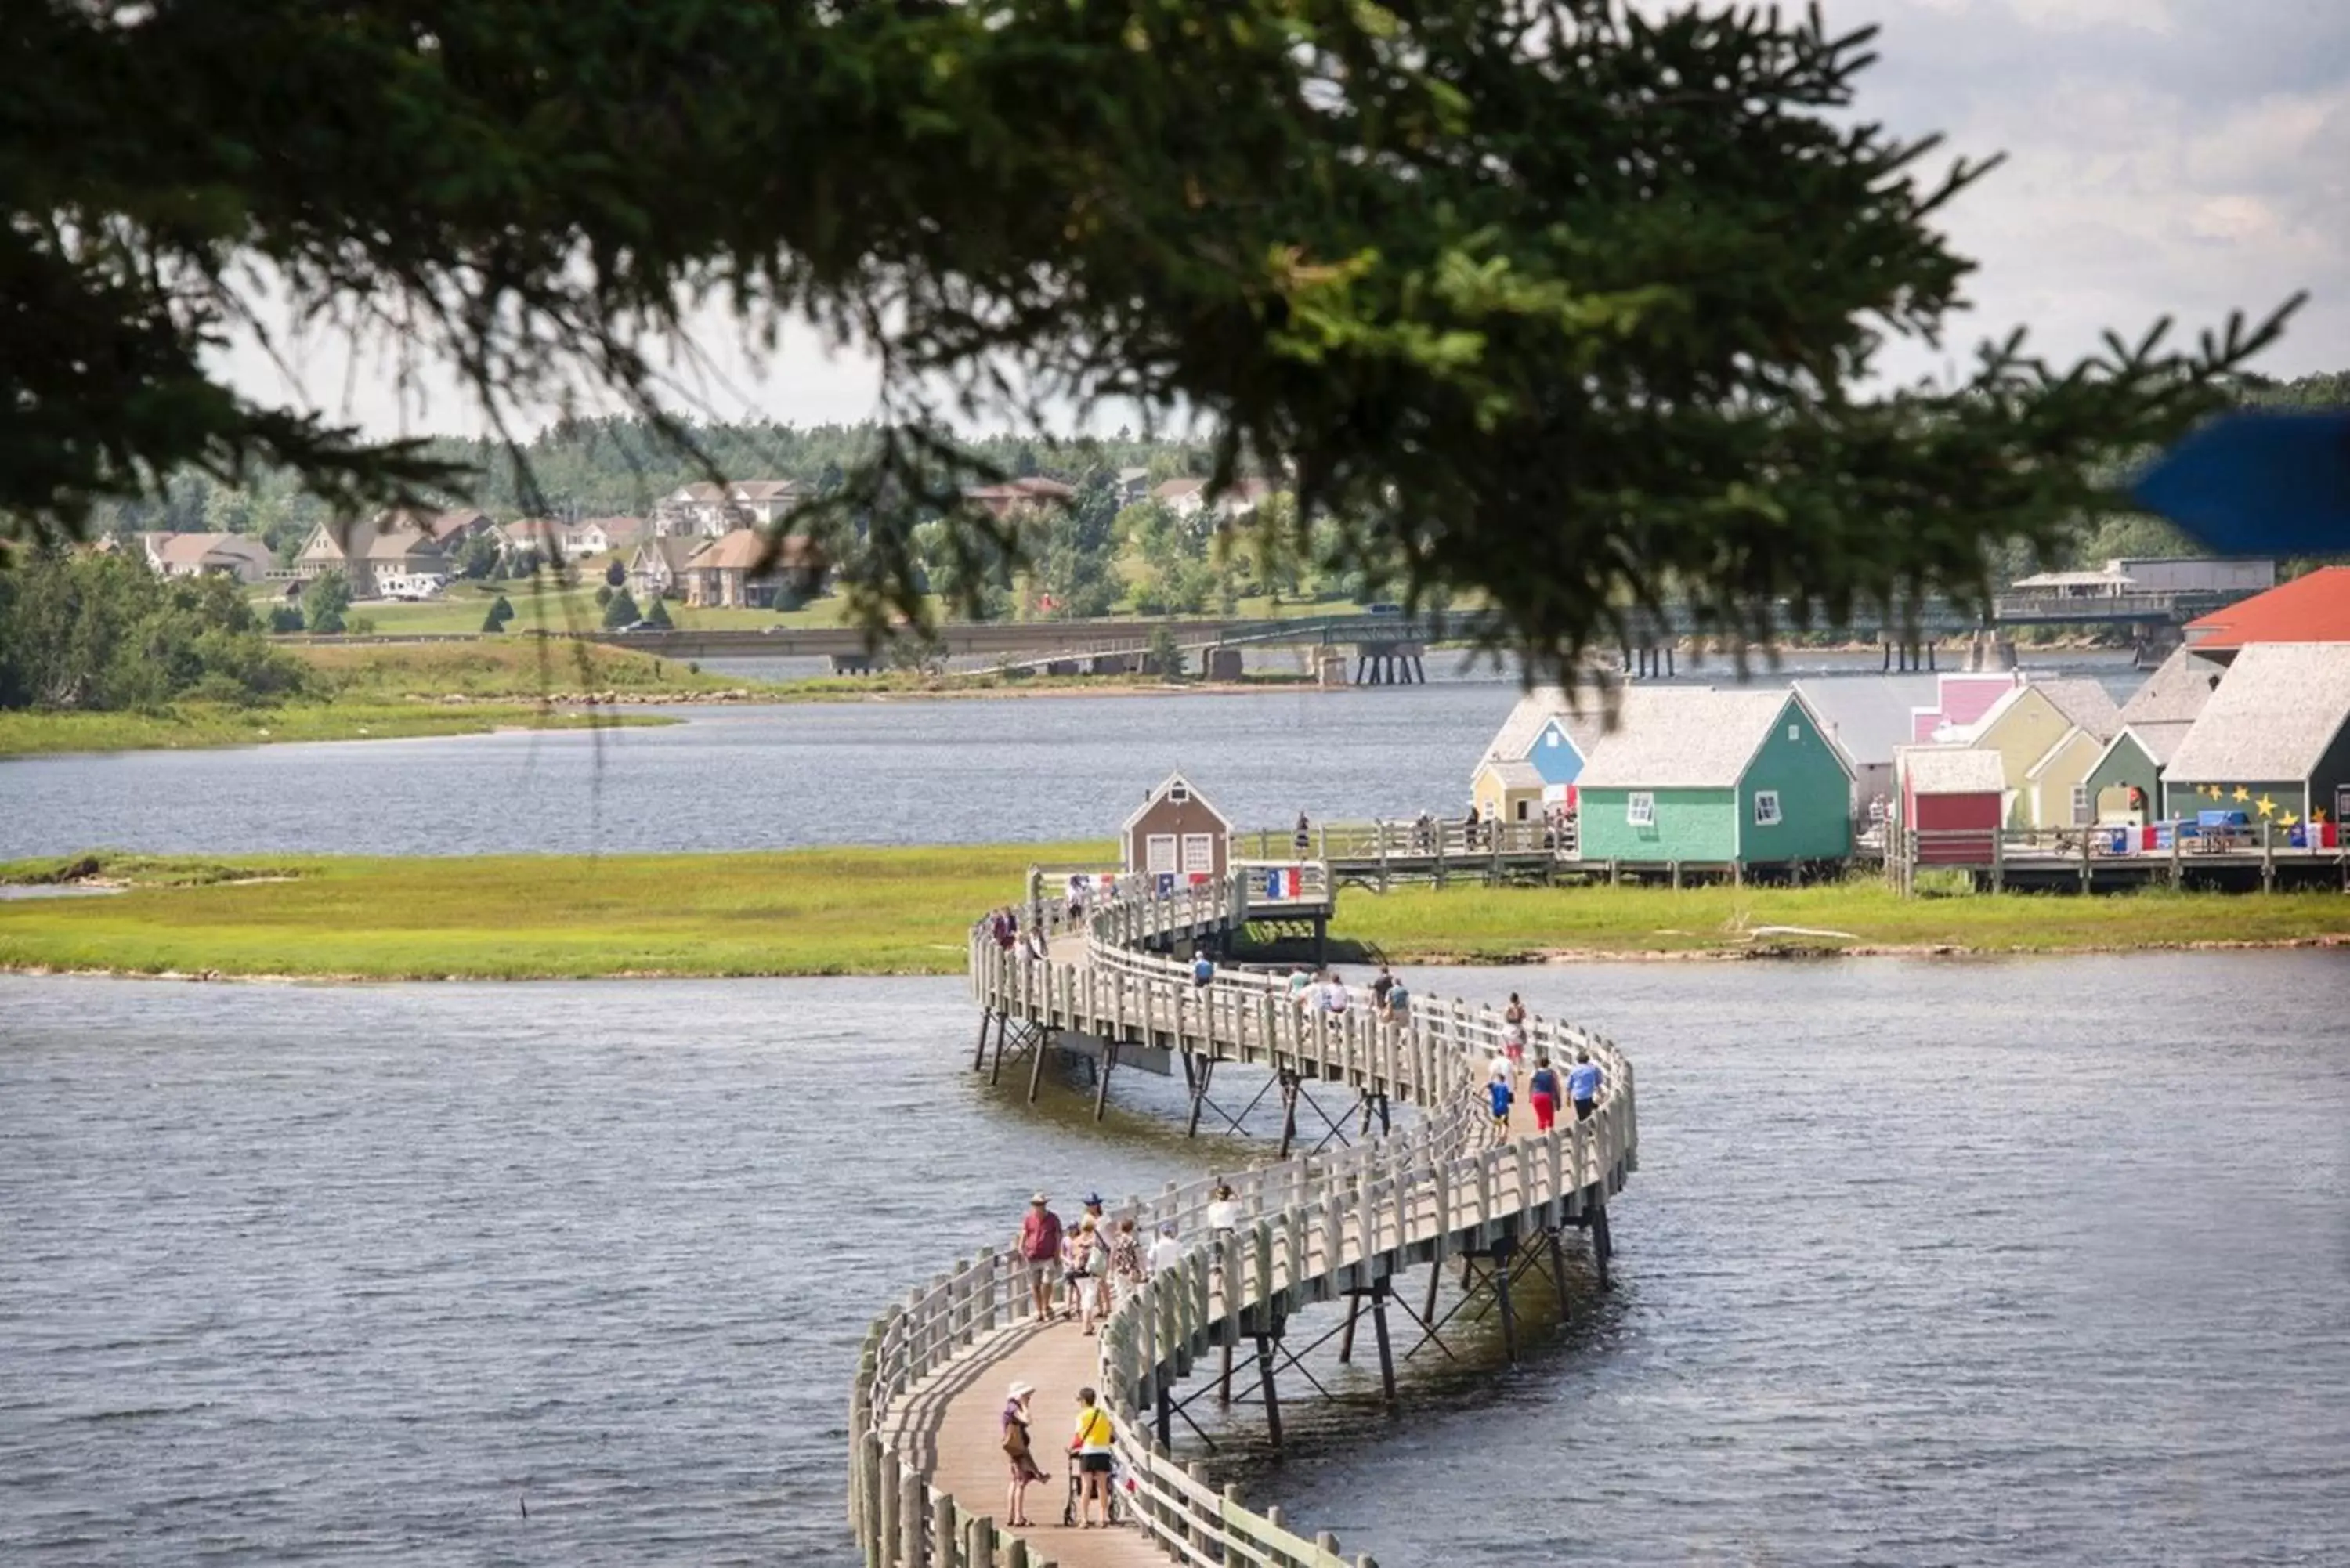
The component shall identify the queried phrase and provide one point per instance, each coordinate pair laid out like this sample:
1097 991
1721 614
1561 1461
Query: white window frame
1159 854
1772 816
1794 731
2081 808
1198 852
1640 808
1179 793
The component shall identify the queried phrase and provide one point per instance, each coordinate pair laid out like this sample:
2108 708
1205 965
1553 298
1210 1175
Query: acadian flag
1284 882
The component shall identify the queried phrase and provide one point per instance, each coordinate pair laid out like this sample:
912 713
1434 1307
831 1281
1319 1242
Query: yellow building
2024 726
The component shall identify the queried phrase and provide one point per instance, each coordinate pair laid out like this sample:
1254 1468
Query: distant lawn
523 668
814 911
1483 925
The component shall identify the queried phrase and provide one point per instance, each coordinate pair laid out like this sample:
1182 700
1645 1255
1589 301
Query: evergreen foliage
325 601
657 617
621 610
1568 302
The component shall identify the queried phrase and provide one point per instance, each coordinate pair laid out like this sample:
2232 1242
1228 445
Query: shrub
658 616
621 610
501 610
285 617
603 595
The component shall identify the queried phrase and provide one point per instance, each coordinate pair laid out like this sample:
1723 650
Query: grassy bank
903 911
1483 925
817 911
194 724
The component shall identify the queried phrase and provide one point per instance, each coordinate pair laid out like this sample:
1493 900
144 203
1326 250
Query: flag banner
1166 882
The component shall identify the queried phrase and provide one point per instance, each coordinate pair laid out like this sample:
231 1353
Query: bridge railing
1428 1186
1451 839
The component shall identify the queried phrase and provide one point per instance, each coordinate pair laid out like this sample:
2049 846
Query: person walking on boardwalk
1126 1256
1305 839
1399 1009
1542 1090
1077 1273
1025 1471
1498 1097
1100 1259
1379 989
1039 1247
1166 1253
1091 1442
1203 969
1583 1082
1514 1015
1301 985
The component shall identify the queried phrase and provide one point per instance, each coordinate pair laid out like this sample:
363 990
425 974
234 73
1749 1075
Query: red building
1954 799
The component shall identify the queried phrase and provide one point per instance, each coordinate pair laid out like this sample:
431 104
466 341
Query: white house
239 556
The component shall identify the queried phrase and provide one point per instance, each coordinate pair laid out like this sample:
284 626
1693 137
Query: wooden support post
979 1059
1379 1332
1224 1375
1272 1396
1037 1065
1435 1278
1603 1246
1101 1088
1288 1081
2267 856
1999 858
1558 1270
1166 1411
1346 1339
1502 1252
913 1519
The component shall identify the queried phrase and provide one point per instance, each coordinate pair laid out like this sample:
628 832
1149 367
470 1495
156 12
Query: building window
1198 852
2080 805
1794 731
1159 854
1551 739
1179 791
1640 809
1767 808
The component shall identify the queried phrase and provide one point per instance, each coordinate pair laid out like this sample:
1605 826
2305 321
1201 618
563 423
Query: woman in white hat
1024 1468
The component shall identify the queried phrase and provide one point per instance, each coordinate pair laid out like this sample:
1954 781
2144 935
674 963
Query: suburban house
656 565
1534 758
544 538
2314 608
2029 721
1865 718
405 566
605 535
2273 742
450 529
746 570
1133 485
1188 498
1000 500
1954 798
1691 773
1177 834
238 555
709 510
390 554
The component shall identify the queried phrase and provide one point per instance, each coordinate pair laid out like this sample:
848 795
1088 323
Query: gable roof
2276 710
1513 773
1688 737
401 545
2176 689
193 549
2155 740
1950 769
1865 717
2064 743
672 550
765 489
2081 703
1159 791
1514 741
2314 607
749 549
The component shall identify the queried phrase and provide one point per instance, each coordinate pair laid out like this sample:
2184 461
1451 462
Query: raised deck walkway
927 1477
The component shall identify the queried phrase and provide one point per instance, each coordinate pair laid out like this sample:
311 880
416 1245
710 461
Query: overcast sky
2180 157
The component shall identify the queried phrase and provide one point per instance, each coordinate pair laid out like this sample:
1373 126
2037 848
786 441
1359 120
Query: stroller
1113 1510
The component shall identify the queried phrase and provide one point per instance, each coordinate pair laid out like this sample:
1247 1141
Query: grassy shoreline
859 911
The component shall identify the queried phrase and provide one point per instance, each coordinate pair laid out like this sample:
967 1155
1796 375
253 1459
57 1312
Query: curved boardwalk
925 1474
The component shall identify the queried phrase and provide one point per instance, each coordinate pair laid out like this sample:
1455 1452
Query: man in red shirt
1040 1250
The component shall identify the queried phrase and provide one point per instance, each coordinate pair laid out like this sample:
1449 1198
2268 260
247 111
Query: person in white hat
1024 1468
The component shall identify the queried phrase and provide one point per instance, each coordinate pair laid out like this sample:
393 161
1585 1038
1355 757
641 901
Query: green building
2273 742
1694 775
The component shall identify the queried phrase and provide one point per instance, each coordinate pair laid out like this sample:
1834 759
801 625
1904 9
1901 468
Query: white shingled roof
1950 770
2276 710
1512 774
1685 737
2159 739
2175 692
1514 741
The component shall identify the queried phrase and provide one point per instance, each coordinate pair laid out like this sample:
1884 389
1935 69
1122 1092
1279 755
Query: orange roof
2311 608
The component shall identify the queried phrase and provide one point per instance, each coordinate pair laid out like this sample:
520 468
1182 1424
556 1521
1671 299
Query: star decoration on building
2287 820
2267 806
2317 816
2242 794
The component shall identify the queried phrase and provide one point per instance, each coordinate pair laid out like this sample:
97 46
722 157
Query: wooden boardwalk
927 1478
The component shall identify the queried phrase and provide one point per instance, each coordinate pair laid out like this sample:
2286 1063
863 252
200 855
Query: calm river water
1981 1263
909 772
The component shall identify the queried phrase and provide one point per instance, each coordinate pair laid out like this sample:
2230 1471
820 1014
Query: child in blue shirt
1499 1092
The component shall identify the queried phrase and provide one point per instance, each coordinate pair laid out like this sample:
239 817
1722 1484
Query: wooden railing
1315 1226
1412 840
